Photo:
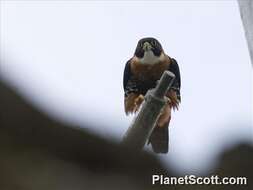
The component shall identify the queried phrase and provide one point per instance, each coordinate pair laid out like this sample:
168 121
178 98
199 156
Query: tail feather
159 139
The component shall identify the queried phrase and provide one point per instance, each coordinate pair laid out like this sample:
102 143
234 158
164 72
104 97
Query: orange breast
144 72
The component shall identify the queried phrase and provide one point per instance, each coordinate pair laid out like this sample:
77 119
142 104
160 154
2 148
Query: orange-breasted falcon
141 74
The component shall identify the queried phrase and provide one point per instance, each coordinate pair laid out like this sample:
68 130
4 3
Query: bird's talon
168 100
141 98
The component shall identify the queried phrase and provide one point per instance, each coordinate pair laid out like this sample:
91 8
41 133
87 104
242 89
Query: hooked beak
147 46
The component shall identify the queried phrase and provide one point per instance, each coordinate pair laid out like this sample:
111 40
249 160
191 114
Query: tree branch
143 125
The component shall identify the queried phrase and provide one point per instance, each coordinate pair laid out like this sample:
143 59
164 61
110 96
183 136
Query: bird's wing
174 68
127 75
132 99
129 84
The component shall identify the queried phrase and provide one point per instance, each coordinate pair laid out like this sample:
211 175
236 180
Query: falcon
141 74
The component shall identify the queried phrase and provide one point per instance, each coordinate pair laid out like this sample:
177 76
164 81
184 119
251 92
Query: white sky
68 59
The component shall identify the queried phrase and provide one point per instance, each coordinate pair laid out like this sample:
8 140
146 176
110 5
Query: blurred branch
139 132
40 153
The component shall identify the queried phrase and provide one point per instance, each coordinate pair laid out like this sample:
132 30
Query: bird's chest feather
148 72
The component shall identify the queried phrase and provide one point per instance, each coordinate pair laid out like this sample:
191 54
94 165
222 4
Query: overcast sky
68 59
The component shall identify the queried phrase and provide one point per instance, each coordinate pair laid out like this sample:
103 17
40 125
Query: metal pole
143 125
246 11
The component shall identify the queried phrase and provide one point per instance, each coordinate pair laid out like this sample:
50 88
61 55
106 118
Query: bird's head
148 50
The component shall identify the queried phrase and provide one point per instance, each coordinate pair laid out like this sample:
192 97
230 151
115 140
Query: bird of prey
141 74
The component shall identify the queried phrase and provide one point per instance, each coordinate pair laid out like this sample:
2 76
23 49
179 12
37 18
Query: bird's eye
153 43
